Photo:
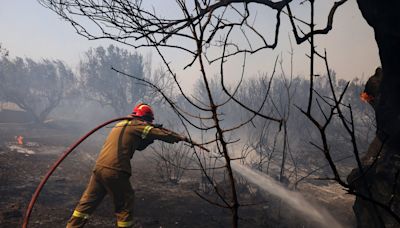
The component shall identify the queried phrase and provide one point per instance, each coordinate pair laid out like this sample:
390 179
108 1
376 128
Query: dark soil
157 203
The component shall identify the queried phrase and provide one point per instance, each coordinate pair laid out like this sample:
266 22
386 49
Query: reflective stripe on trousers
105 181
80 215
125 224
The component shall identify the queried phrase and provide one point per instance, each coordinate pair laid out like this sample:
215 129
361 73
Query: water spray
294 199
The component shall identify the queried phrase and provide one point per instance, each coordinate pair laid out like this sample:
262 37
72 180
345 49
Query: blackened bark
382 162
384 17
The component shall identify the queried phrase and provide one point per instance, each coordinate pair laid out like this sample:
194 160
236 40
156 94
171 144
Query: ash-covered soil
157 203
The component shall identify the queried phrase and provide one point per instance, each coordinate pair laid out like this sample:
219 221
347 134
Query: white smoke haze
83 110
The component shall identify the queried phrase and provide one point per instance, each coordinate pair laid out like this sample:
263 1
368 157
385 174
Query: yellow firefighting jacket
125 138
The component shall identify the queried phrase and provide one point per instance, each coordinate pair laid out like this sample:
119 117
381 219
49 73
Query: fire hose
64 155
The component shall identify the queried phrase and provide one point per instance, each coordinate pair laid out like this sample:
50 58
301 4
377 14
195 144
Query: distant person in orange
113 168
20 140
371 92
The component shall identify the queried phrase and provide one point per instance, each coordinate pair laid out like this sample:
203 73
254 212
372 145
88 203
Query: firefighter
113 169
371 92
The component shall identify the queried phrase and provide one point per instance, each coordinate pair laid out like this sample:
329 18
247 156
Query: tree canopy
36 87
106 86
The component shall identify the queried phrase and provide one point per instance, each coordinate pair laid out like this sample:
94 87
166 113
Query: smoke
293 199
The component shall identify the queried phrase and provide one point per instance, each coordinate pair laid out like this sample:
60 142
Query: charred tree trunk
381 165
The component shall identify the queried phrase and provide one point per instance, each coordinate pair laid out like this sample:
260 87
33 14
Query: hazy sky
30 30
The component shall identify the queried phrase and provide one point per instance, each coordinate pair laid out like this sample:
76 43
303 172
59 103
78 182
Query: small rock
12 214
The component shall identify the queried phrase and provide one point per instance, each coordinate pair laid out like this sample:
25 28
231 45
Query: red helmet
144 111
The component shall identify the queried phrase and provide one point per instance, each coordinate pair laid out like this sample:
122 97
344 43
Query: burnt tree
381 164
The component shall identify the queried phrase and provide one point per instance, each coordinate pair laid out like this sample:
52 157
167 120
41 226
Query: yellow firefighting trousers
102 182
